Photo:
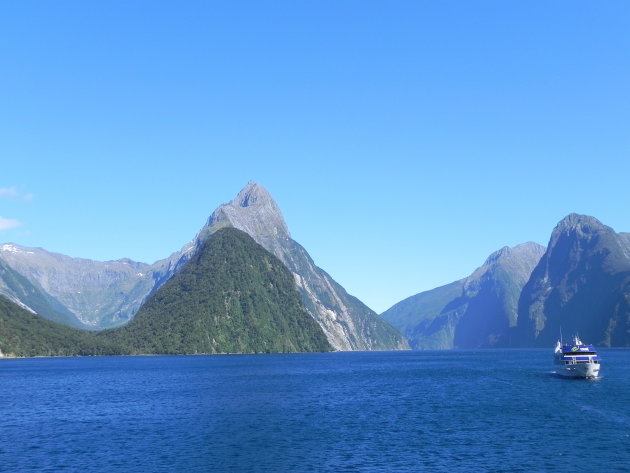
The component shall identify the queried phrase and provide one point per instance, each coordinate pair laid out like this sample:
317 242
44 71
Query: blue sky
403 141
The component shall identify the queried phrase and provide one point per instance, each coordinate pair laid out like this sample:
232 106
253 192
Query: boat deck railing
577 360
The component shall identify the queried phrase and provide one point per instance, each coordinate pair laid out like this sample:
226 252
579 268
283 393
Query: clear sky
403 141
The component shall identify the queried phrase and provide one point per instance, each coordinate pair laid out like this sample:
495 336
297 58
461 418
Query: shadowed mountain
474 312
581 284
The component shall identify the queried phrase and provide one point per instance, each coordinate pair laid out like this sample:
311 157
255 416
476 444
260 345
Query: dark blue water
461 411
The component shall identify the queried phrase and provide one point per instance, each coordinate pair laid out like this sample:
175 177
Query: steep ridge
232 296
474 312
422 318
581 285
347 322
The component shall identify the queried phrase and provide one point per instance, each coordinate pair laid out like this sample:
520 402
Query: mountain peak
519 261
529 250
252 194
254 211
578 225
581 282
574 220
497 255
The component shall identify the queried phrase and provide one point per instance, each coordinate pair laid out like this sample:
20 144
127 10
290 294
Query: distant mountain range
98 295
244 285
524 296
78 292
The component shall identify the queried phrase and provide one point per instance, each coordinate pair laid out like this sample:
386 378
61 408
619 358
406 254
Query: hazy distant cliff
581 284
474 312
523 296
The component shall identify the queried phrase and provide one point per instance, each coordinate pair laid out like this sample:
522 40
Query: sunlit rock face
347 322
90 294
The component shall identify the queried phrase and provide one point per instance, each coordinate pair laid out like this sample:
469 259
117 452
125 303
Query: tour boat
577 360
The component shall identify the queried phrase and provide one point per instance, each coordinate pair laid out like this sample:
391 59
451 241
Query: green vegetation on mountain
422 318
347 322
25 334
97 295
232 296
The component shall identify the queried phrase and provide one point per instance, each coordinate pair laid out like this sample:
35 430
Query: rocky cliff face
30 296
95 294
582 285
347 323
475 312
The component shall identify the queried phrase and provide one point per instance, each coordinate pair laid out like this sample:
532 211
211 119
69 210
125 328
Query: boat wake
606 415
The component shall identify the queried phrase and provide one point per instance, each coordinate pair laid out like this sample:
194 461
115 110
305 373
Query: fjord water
455 411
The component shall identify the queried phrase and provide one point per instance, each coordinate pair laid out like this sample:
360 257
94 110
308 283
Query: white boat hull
579 370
